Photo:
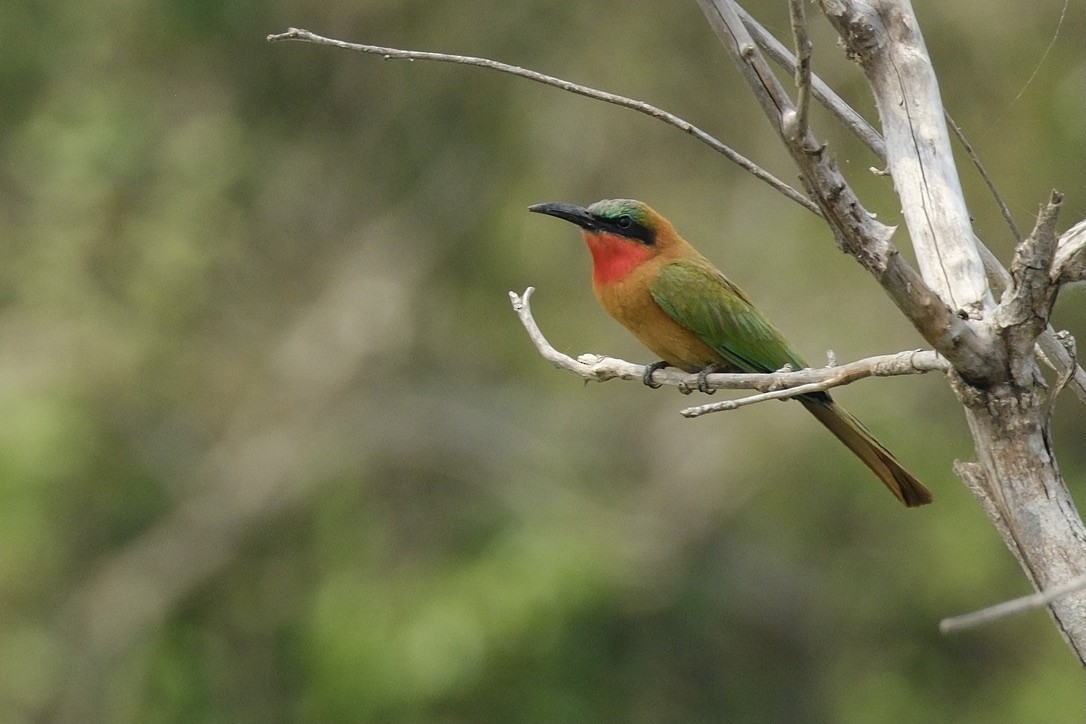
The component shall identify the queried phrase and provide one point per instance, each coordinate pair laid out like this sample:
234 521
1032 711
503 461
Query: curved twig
589 92
975 158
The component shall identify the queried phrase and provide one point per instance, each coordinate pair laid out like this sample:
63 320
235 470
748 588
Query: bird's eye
624 222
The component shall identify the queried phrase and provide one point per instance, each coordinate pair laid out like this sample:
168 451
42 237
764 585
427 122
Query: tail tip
914 494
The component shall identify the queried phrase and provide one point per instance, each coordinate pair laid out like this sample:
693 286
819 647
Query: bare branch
919 156
1064 376
776 385
1023 313
1011 608
871 138
1058 356
855 229
1016 479
972 153
796 126
1069 264
784 385
822 92
1033 258
589 92
1049 346
997 275
1025 496
781 394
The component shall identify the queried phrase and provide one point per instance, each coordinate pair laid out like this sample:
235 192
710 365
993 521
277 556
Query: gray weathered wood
990 345
1016 480
886 41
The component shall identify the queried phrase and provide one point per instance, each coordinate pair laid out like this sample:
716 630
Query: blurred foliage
274 447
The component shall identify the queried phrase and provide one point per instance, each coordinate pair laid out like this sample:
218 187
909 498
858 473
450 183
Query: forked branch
854 228
1070 264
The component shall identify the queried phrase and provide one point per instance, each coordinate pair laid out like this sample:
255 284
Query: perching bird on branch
689 314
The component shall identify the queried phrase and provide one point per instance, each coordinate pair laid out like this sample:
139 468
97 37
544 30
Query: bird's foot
649 369
703 382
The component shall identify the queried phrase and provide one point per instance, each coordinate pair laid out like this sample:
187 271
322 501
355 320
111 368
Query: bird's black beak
574 214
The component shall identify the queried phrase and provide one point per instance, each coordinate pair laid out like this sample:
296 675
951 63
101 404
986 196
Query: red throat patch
613 257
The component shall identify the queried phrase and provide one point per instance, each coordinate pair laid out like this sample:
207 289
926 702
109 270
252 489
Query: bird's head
621 233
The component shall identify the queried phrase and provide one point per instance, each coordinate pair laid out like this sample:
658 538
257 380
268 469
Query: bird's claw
703 381
649 369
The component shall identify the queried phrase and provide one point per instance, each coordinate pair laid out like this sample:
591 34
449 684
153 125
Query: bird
680 306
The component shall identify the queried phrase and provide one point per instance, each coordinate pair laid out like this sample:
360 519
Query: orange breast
628 300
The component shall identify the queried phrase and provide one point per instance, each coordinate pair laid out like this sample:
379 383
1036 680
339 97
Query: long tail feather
863 444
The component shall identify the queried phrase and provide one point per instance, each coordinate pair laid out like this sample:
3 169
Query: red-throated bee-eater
693 317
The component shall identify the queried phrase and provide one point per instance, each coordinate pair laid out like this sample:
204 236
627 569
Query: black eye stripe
625 225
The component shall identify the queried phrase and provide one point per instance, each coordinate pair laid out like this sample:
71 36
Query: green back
703 300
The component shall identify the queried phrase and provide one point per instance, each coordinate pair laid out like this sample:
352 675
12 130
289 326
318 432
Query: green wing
720 314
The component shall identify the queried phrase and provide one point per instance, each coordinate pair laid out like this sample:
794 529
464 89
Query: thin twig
798 130
1044 55
782 394
776 385
825 95
972 153
1012 607
639 106
794 384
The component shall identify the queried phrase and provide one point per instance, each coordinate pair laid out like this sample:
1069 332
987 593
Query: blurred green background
274 446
